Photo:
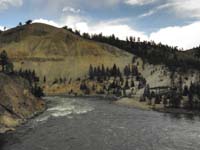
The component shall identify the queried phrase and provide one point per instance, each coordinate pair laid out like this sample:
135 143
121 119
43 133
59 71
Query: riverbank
109 97
135 103
16 123
17 103
177 111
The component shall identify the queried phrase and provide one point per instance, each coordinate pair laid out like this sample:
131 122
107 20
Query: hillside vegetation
153 53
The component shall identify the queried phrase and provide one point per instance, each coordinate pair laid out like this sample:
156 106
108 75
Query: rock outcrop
17 103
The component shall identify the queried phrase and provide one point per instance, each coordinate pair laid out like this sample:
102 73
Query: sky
172 22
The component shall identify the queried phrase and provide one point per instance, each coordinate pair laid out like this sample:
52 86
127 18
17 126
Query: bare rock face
16 102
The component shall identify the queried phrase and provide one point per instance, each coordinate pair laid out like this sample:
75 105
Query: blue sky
172 22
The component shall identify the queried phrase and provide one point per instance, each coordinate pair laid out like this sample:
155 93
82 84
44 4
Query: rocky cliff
17 104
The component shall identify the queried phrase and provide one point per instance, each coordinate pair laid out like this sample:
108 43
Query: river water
95 124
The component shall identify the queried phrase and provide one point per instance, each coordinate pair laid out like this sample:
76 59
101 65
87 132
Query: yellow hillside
56 52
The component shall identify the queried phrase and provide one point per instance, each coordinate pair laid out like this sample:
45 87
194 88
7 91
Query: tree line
149 51
120 80
33 80
8 68
176 96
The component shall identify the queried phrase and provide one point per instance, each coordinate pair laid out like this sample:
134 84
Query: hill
56 52
153 53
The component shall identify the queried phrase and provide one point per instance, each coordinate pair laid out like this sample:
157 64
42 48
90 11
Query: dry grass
133 102
74 54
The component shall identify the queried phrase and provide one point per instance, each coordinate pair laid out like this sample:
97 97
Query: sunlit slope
56 52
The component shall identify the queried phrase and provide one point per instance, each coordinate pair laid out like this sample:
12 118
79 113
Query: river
95 124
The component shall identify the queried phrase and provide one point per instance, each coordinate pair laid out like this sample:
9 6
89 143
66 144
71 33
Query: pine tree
44 79
103 72
114 70
126 84
185 91
91 72
3 60
132 83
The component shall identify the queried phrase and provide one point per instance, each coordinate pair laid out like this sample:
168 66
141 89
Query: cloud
119 29
56 6
139 2
1 28
155 10
108 27
71 9
149 13
73 20
186 8
182 8
5 4
182 36
49 22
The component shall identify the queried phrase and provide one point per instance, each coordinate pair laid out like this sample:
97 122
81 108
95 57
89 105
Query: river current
96 124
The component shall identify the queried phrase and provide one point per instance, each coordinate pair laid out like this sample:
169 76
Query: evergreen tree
9 67
132 83
86 35
103 72
126 84
185 91
147 91
114 70
127 71
3 60
20 24
28 22
118 72
91 72
44 79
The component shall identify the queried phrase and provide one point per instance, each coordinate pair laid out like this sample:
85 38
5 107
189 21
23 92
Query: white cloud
1 28
72 20
186 8
50 22
5 4
71 9
155 10
119 29
182 8
182 36
139 2
56 6
117 26
149 13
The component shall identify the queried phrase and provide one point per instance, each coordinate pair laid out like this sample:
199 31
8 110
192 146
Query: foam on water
60 107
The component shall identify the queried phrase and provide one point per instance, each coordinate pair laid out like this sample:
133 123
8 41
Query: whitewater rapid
61 107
